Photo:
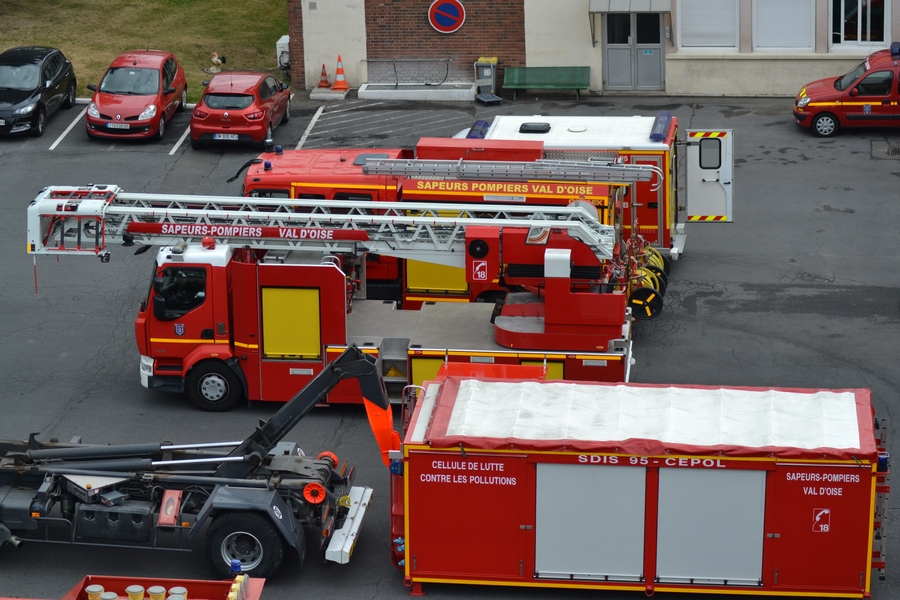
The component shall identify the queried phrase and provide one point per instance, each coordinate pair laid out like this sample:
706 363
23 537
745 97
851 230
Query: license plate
225 136
2 122
118 126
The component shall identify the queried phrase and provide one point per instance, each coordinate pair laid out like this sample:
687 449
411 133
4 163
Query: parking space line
180 140
309 127
352 108
69 128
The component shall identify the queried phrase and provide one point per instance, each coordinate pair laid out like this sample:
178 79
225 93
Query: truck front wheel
213 386
247 537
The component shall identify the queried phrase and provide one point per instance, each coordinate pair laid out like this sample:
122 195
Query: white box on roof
575 132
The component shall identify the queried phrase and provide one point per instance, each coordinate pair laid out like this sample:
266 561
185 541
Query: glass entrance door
632 51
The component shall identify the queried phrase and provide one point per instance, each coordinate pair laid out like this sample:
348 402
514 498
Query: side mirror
92 87
854 91
169 90
206 82
157 284
159 309
284 86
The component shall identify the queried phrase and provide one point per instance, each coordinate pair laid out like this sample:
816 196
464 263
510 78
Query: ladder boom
86 220
553 170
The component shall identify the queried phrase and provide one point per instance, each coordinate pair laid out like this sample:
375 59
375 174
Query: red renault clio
240 106
139 93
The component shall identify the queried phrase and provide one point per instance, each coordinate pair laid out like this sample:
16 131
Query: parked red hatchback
138 95
866 96
240 107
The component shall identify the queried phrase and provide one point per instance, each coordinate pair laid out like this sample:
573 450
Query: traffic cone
340 84
323 81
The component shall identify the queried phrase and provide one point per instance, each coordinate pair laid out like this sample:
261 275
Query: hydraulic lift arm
352 363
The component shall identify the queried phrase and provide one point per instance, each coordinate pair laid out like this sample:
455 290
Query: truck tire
212 386
248 537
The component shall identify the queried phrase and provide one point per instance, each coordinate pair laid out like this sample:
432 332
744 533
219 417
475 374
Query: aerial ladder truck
253 296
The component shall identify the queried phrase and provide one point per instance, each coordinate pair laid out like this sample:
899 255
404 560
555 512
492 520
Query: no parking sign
446 16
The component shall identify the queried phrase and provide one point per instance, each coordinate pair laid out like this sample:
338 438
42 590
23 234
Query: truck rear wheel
213 386
247 537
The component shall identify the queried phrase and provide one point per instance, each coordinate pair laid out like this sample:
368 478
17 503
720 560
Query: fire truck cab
223 323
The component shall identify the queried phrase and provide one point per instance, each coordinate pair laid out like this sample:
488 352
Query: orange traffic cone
340 84
323 81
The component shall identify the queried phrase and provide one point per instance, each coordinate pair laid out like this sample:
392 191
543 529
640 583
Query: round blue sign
446 16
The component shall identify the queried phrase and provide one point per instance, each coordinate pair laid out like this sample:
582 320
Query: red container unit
640 487
196 589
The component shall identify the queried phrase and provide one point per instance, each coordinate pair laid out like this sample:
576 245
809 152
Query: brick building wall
399 29
295 31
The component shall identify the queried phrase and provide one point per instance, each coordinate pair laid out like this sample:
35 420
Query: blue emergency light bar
660 129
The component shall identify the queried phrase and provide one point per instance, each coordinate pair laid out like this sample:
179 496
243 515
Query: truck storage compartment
130 521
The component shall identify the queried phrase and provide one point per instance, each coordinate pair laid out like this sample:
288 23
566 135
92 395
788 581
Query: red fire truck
253 296
651 488
451 170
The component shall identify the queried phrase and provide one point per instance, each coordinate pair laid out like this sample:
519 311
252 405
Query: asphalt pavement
802 290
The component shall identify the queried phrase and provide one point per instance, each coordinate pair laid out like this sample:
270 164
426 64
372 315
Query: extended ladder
85 220
540 170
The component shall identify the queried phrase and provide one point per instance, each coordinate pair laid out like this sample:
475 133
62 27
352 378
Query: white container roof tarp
648 419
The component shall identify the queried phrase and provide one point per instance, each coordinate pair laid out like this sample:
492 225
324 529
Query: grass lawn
93 32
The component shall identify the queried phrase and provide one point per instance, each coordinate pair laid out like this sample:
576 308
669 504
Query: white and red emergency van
651 488
866 96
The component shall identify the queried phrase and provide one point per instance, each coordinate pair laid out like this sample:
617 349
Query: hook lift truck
249 500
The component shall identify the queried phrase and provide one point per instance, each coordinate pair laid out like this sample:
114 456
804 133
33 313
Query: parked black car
34 82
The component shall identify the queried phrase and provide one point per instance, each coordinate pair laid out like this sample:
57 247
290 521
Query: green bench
547 78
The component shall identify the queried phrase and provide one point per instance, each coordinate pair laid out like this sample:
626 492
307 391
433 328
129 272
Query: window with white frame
784 25
708 24
859 23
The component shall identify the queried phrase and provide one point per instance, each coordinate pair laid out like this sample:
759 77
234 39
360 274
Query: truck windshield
847 80
183 289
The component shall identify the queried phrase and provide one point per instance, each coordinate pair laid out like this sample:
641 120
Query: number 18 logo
821 520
